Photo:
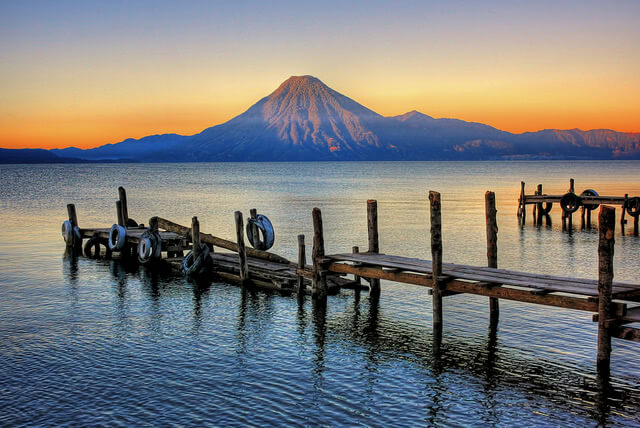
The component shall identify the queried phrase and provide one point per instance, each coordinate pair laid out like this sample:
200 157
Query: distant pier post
374 246
436 256
572 189
623 221
522 211
606 242
492 248
319 281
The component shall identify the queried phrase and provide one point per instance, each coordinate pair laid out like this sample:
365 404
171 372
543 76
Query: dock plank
541 283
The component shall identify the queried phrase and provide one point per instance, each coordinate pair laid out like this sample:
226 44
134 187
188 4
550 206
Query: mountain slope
303 119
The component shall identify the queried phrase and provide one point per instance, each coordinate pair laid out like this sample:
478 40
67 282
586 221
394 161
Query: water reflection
381 340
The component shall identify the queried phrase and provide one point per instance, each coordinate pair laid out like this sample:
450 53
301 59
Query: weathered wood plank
459 286
556 283
219 242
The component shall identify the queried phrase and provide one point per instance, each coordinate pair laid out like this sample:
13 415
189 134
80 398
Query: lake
93 342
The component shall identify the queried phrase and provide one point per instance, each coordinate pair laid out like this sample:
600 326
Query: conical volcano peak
301 85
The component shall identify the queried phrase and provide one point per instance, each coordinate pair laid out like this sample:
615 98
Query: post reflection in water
382 339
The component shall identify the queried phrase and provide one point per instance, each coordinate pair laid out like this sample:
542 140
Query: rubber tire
590 192
570 202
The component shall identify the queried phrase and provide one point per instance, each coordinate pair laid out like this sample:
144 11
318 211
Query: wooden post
302 262
123 201
153 224
119 212
572 190
535 207
623 222
589 219
492 248
605 278
319 283
73 219
436 256
374 246
242 251
253 213
356 278
522 210
195 237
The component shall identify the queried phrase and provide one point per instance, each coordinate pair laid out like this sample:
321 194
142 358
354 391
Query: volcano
305 120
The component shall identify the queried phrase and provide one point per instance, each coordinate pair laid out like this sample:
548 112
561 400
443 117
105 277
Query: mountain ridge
305 120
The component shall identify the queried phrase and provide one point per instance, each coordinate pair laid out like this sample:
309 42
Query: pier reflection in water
346 356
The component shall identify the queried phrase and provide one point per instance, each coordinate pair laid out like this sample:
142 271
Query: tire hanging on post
570 202
590 192
149 246
260 225
192 267
117 237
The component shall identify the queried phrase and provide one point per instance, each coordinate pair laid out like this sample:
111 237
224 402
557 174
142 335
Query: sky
87 73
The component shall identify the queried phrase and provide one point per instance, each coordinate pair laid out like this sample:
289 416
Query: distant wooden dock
570 202
614 304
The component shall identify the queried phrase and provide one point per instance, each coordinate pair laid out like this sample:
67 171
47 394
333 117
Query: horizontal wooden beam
219 242
626 333
480 289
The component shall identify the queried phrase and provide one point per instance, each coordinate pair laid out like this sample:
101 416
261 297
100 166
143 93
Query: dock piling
319 282
74 242
302 261
606 243
492 248
522 207
119 213
122 196
572 189
436 257
374 245
242 251
195 237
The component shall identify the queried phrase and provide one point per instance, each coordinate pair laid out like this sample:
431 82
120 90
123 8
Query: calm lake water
86 342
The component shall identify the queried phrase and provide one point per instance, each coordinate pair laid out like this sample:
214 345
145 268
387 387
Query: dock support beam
302 261
242 250
374 246
606 242
436 256
572 189
319 281
492 248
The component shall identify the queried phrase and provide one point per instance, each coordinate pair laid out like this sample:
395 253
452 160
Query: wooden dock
570 202
614 305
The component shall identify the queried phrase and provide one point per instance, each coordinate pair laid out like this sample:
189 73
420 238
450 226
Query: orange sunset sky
89 73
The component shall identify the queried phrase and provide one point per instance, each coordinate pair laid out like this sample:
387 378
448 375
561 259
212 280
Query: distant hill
305 120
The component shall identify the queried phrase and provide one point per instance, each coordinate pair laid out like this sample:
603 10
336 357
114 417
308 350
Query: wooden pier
614 304
570 202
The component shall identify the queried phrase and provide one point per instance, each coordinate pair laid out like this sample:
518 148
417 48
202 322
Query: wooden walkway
571 293
570 202
615 305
